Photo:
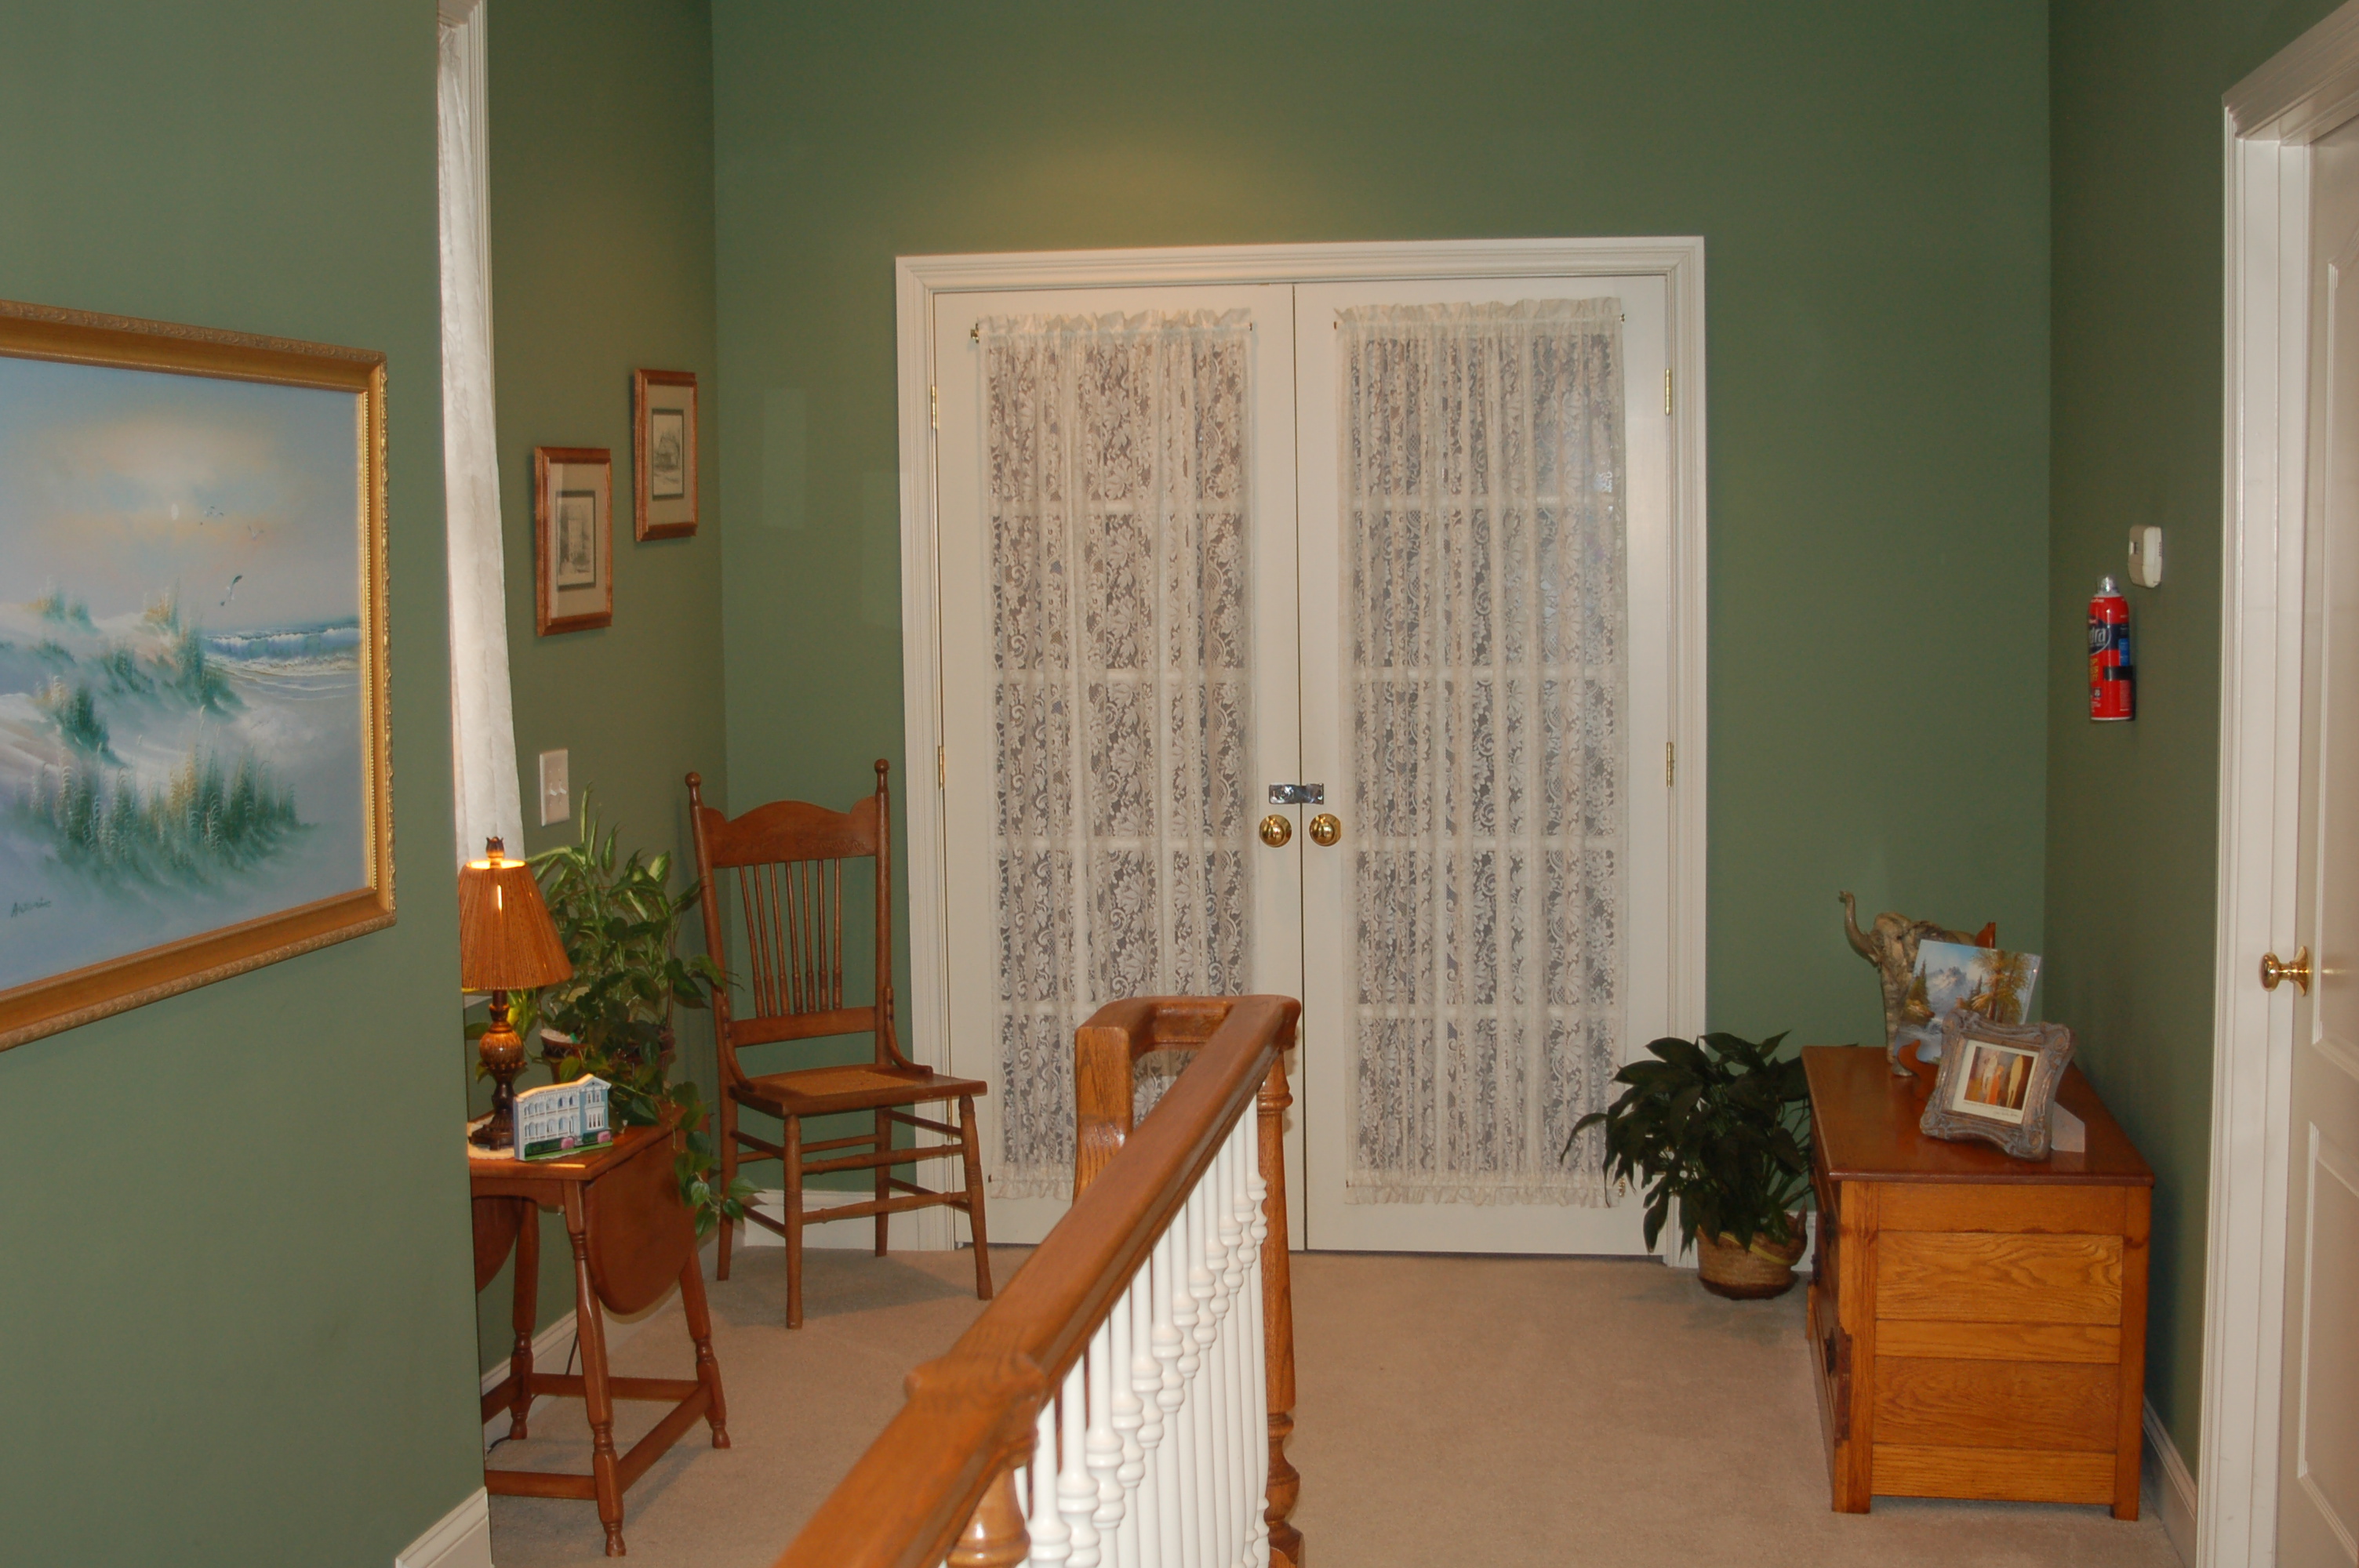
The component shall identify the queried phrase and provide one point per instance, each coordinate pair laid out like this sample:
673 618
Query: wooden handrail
970 1416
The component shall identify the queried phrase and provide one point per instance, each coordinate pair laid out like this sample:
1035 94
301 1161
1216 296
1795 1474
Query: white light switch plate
2146 556
556 788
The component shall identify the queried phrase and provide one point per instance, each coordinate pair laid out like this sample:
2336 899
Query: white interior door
1098 466
2318 1498
1472 943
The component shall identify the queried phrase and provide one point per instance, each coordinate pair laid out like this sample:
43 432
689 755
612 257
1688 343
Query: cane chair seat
822 1091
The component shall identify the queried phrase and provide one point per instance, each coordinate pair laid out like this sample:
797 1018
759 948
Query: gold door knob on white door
1276 830
1325 829
2296 969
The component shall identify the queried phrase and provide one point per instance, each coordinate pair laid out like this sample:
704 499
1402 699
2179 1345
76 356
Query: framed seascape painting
572 538
194 766
663 454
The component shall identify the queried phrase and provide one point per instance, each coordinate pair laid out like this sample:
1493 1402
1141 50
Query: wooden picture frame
572 538
197 765
663 454
1997 1083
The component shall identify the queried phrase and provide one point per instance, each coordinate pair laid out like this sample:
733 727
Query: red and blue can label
2112 675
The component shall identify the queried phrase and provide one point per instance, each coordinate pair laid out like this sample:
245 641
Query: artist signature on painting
26 907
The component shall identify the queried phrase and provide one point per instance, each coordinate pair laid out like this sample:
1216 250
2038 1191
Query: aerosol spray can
2112 676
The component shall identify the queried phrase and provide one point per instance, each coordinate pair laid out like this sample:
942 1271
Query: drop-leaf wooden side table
1977 1321
632 1237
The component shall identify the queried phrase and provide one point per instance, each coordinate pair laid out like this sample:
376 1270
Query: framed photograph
663 454
194 764
1997 1083
572 538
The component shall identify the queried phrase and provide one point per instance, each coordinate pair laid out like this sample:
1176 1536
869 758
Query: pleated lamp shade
507 941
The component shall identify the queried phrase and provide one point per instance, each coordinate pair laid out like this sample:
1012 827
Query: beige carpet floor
1452 1410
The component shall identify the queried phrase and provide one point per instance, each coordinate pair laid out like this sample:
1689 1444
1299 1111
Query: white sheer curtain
483 729
1484 513
1118 519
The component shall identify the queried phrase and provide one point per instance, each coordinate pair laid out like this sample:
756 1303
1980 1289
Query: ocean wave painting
184 706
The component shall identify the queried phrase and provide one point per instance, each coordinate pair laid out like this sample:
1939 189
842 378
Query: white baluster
1217 1355
1103 1450
1129 1415
1163 1343
1052 1543
1191 1305
1077 1494
1258 1358
1239 1349
1202 1282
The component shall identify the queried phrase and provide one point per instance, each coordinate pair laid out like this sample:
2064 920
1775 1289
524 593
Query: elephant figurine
1891 947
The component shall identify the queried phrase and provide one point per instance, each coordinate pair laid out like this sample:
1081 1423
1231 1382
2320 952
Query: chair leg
884 1175
794 1164
728 1177
974 1154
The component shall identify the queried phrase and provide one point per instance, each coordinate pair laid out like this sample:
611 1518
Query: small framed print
573 538
663 454
1997 1083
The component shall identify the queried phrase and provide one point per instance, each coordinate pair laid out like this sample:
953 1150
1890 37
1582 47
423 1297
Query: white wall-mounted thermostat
2146 556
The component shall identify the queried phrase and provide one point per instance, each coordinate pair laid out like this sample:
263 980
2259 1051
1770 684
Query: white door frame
919 279
2269 120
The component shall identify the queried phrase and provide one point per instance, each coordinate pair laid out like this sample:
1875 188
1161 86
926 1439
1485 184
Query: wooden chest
1977 1323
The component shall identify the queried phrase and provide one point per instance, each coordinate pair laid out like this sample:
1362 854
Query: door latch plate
1297 794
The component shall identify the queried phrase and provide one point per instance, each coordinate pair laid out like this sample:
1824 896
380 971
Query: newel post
1277 1320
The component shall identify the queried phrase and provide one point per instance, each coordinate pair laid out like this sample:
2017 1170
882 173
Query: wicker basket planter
1756 1272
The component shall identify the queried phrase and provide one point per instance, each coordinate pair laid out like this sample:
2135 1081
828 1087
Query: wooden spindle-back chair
789 860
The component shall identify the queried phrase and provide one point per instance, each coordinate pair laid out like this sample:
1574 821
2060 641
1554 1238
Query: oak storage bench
1977 1321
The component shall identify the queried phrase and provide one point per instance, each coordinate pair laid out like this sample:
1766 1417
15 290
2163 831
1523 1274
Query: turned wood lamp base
501 1051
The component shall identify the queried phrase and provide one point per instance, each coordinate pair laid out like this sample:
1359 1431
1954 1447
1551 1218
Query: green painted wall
224 1344
602 263
2133 808
1870 180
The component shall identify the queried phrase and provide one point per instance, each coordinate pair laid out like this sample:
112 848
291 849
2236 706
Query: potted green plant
620 925
1722 1124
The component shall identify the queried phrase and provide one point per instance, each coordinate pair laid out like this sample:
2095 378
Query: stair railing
1125 1402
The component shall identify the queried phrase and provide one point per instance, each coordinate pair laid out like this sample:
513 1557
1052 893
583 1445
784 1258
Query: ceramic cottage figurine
1891 947
558 1119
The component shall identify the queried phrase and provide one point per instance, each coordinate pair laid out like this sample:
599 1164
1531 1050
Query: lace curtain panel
483 731
1482 511
1117 503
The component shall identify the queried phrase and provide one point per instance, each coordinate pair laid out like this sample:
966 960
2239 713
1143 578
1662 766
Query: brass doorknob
1326 830
1277 832
2273 969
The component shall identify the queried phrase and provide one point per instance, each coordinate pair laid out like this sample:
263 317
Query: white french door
1126 653
1487 940
1071 432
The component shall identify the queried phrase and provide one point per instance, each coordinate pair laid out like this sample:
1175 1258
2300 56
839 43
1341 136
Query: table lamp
507 942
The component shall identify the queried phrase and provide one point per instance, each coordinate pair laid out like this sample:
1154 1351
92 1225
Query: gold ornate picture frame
1997 1083
195 762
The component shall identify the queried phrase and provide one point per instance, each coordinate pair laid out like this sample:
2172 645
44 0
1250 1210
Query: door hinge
942 767
934 407
1671 763
1667 391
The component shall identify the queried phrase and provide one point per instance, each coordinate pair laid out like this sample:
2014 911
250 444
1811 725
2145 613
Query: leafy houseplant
1722 1125
619 924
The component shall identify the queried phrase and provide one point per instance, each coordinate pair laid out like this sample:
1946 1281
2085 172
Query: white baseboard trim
845 1233
460 1538
2174 1487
